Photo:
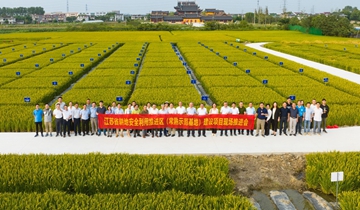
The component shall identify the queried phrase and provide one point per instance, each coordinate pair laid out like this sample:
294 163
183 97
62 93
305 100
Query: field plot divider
86 73
34 55
139 69
192 76
31 56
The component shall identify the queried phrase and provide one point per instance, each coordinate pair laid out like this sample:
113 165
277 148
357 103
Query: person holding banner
261 115
119 110
136 111
154 111
201 112
172 110
225 110
213 110
242 110
181 110
234 111
101 110
191 111
163 110
145 111
109 111
128 110
250 111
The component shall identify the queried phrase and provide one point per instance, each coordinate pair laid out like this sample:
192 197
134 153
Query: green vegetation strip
117 173
320 165
164 200
349 200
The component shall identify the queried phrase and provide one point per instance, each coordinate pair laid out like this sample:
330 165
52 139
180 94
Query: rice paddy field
149 66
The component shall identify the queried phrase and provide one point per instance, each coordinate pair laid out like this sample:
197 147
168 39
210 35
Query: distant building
7 20
188 12
46 18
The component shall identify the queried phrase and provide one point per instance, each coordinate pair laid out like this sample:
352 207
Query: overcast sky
146 6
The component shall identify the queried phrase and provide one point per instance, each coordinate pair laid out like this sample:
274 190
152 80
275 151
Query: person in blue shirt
301 110
38 114
261 115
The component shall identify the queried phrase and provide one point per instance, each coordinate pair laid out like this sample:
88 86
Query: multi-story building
7 20
188 12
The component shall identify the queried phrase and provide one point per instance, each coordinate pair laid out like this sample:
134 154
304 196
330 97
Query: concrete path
342 139
329 69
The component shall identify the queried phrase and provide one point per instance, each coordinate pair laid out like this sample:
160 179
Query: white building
7 20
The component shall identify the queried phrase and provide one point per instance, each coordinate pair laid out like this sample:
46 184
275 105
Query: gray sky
145 6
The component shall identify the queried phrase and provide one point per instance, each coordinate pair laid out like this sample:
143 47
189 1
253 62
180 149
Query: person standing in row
324 116
308 117
154 111
163 110
261 115
242 111
313 106
76 119
181 110
213 111
250 111
61 103
284 118
145 111
234 111
84 116
224 111
301 110
268 120
101 110
88 104
136 111
71 109
191 111
118 111
317 118
67 117
275 118
172 110
109 131
93 119
48 120
294 115
58 119
128 110
38 114
202 112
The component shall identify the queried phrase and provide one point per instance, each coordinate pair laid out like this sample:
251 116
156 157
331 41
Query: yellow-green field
114 55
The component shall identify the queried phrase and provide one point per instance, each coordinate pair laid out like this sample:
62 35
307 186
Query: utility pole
258 10
284 9
67 6
86 9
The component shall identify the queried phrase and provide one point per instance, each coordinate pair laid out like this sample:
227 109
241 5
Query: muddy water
263 200
298 200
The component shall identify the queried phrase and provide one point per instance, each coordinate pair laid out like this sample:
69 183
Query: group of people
297 117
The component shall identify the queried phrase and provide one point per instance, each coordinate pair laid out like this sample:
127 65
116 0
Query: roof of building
157 16
225 17
191 15
194 8
173 18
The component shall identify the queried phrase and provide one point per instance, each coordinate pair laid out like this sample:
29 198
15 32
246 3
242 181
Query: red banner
188 122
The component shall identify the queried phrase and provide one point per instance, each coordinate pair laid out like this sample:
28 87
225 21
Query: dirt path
267 172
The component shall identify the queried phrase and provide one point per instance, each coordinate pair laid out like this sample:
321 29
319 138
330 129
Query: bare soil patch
267 172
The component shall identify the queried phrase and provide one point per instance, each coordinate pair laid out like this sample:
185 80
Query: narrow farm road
353 77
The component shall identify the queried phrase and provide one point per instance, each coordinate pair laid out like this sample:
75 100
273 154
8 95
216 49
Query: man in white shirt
234 111
58 119
202 111
317 118
250 111
225 110
76 119
313 107
154 111
71 109
67 117
191 111
163 110
172 110
181 110
62 104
